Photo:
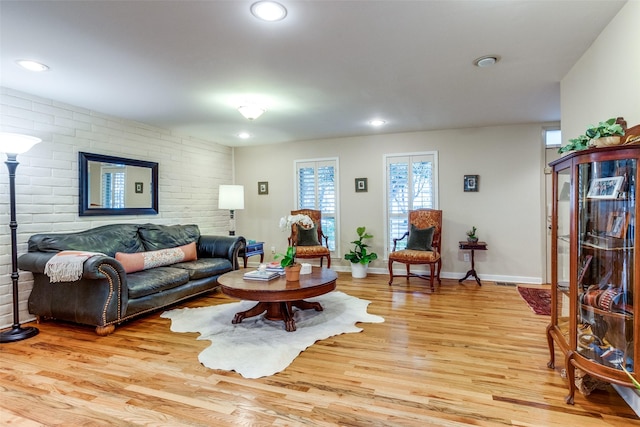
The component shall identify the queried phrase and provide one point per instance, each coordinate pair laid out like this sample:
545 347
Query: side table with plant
359 256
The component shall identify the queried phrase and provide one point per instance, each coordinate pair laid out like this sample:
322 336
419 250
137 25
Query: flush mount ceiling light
268 11
377 122
486 61
30 65
244 135
251 112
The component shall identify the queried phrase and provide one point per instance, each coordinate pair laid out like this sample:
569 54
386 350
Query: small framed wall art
471 183
263 187
139 187
361 185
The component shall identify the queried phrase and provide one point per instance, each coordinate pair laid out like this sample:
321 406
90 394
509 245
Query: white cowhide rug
258 347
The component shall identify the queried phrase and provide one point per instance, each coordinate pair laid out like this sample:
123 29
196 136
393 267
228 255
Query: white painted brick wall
190 171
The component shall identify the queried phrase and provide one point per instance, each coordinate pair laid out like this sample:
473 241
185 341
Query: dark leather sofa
106 295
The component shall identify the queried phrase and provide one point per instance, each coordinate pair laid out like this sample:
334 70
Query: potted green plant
359 256
605 133
471 235
575 144
288 262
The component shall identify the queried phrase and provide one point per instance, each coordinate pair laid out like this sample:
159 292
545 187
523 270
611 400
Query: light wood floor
465 355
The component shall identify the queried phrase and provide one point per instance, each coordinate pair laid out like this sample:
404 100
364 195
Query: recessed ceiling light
27 64
377 122
244 135
268 11
486 61
251 111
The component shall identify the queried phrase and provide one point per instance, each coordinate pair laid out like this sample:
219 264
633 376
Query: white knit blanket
67 266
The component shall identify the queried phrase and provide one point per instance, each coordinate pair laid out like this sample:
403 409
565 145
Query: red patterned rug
538 299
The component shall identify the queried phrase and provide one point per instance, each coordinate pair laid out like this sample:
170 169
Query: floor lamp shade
231 197
13 144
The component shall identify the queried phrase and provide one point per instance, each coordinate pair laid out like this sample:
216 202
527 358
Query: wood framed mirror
117 186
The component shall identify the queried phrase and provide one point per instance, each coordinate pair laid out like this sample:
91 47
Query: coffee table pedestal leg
278 311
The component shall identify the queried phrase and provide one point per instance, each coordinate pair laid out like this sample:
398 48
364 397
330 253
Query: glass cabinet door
605 262
563 205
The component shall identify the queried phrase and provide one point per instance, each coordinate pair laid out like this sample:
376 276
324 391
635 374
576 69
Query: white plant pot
359 271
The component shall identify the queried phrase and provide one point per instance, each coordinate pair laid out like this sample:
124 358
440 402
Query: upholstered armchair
311 243
423 245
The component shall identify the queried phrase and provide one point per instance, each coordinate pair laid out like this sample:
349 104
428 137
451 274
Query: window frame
336 165
385 206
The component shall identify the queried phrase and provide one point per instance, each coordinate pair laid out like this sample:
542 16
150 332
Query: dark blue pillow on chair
420 239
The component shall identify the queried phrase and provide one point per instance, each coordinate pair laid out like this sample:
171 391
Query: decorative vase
359 270
292 272
472 239
607 141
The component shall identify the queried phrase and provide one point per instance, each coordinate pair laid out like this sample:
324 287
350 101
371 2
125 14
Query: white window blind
316 188
113 189
411 183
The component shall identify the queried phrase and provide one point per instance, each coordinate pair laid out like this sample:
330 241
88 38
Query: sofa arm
221 247
35 262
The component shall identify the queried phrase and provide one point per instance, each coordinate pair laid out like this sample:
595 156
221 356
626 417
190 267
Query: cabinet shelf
606 313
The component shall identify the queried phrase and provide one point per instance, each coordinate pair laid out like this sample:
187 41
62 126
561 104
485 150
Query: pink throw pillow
144 260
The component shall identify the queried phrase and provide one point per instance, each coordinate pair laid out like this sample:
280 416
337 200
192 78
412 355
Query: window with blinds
411 183
113 189
316 188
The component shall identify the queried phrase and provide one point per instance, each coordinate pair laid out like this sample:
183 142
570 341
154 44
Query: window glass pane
552 137
411 184
317 190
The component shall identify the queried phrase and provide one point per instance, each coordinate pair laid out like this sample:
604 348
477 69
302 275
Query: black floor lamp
13 144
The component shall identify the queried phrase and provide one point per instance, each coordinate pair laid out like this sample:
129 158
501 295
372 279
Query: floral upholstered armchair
311 242
423 246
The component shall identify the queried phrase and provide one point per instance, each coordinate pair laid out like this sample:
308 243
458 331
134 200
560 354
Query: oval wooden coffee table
277 297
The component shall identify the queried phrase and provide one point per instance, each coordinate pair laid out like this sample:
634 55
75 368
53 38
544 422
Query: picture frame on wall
263 187
361 185
471 183
139 187
605 188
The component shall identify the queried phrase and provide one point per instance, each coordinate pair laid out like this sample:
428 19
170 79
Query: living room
509 209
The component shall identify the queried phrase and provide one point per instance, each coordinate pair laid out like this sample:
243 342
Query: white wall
47 178
507 209
605 82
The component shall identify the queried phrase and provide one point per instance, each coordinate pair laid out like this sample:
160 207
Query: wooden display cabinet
595 264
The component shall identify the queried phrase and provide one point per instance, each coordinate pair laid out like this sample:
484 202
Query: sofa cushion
155 237
145 260
205 267
155 280
107 239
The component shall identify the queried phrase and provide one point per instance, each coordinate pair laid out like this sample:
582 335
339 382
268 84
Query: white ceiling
323 72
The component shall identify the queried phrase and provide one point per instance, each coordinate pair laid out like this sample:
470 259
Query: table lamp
231 197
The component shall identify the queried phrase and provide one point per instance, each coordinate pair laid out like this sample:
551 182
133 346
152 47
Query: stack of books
274 267
261 275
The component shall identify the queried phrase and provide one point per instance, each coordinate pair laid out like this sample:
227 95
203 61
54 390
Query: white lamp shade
15 143
231 197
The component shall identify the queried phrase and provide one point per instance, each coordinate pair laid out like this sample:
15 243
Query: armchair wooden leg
390 272
432 268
